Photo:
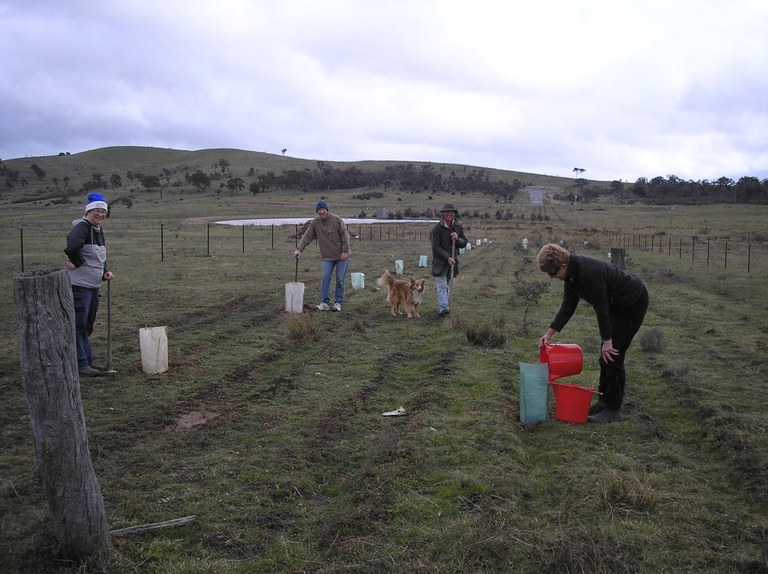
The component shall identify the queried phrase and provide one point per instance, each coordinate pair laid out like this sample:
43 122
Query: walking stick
110 370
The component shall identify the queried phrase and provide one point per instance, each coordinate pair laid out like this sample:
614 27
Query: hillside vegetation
131 169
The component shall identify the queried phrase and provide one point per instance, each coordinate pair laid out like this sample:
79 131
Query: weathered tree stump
46 318
618 257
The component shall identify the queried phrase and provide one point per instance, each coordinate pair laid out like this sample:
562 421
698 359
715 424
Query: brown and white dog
401 292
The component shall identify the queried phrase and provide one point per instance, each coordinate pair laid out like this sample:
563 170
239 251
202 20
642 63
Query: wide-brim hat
449 207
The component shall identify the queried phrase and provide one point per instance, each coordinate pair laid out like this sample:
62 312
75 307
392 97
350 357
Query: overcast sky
620 88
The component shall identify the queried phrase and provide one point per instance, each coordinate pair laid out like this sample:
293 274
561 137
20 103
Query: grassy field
268 427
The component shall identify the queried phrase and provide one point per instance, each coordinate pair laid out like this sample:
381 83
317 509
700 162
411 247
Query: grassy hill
80 167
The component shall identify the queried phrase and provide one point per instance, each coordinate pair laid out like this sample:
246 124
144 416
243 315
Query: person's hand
454 236
344 255
69 265
607 351
108 276
297 254
548 334
451 261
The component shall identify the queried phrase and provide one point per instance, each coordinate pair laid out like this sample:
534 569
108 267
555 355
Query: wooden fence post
46 318
618 257
21 238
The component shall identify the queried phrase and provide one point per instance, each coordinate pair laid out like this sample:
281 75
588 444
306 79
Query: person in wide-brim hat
446 236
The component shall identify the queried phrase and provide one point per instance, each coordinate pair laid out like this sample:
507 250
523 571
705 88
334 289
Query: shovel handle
109 325
296 274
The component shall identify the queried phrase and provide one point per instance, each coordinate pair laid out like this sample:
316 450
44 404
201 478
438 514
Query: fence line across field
180 240
174 240
680 246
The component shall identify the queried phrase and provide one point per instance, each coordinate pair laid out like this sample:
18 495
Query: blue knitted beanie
96 201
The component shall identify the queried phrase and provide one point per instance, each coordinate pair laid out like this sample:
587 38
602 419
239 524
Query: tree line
672 189
409 178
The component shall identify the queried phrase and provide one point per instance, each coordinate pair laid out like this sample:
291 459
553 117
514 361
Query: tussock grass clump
630 490
358 325
652 340
486 332
302 326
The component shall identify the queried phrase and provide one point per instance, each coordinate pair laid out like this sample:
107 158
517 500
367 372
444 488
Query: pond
302 220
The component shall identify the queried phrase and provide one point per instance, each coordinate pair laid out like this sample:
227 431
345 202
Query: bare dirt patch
194 419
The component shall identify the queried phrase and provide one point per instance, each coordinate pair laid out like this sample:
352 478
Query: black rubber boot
596 408
606 416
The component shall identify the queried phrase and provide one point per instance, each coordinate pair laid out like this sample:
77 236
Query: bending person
620 301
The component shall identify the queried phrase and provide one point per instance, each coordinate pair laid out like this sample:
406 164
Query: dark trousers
626 323
86 306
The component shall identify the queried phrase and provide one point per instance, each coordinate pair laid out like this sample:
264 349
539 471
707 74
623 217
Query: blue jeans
86 305
443 287
341 278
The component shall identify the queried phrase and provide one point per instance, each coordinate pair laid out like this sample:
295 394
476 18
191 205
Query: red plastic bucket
572 402
564 360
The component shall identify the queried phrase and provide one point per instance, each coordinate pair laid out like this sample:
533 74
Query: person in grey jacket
87 266
333 240
620 301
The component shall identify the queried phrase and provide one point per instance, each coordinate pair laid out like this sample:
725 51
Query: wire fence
747 256
38 244
41 243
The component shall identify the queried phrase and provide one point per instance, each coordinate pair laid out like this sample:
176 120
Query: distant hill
47 176
131 169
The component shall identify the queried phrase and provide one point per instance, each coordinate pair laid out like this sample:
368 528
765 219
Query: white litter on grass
398 412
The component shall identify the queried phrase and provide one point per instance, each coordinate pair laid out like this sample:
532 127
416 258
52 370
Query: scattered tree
200 180
150 182
234 185
39 171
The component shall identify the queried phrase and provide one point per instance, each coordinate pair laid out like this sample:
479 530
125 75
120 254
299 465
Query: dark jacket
87 250
603 285
442 247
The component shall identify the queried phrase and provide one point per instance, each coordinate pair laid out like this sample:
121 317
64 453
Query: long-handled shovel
110 370
294 293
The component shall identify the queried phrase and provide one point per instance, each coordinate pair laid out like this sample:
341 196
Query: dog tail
385 279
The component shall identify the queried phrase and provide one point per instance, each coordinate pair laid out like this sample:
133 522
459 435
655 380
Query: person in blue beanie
87 266
333 240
